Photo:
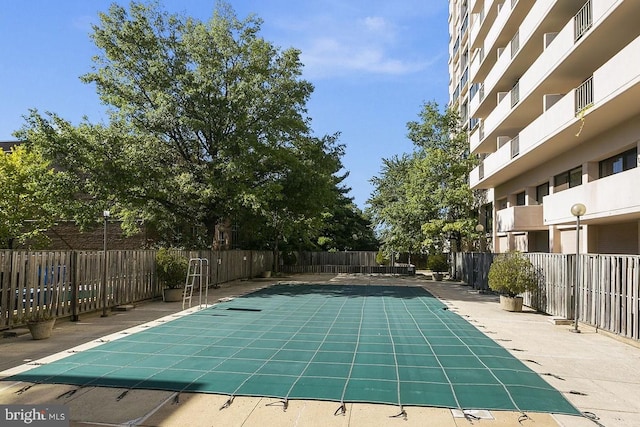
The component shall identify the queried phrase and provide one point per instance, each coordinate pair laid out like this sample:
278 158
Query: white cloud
328 57
375 23
370 45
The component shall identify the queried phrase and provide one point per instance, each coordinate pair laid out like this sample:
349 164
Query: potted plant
40 323
510 275
438 265
172 273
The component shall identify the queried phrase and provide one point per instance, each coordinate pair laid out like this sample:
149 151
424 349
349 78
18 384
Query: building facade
549 93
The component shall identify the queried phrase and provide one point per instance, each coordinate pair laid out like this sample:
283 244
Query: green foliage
512 274
422 200
289 258
35 316
393 208
207 123
345 227
438 263
171 268
381 258
31 197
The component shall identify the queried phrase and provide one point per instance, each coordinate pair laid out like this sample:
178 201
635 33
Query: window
520 198
619 163
541 191
569 179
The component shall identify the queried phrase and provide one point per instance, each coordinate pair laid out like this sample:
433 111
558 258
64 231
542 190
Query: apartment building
549 92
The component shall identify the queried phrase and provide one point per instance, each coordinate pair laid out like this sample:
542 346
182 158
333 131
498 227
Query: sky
373 64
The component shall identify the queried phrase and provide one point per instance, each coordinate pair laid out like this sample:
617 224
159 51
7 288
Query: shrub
438 263
381 258
512 274
289 258
171 268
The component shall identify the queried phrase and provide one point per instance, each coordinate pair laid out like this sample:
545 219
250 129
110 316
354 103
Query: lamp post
105 216
480 229
577 210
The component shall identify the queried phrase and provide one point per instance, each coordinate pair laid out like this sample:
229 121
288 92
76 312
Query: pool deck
598 373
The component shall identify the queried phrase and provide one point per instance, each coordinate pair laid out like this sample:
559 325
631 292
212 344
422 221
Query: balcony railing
465 25
464 78
583 20
473 90
515 146
584 95
515 94
456 93
515 45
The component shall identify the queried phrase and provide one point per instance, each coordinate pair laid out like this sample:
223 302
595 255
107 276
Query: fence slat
609 288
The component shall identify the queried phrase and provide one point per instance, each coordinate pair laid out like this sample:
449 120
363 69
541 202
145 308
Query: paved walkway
598 373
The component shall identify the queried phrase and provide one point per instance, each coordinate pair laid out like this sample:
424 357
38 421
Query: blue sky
373 64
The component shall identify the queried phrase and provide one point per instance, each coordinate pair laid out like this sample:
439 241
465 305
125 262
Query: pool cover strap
344 343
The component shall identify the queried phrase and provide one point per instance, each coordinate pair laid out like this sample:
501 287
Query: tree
396 211
345 228
443 165
423 199
207 123
29 194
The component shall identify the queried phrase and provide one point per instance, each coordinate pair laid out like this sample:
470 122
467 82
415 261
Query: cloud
328 57
372 44
375 23
84 23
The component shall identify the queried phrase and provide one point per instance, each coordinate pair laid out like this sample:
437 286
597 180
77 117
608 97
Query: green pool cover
380 344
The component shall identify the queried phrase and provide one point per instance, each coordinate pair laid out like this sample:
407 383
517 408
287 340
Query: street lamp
105 216
480 229
577 210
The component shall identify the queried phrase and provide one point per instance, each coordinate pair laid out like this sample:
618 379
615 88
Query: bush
289 258
438 263
171 269
512 274
381 258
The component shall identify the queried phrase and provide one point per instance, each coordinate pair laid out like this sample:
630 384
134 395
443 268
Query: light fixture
480 229
577 210
105 216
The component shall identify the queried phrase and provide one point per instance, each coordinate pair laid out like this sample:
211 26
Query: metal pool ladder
197 276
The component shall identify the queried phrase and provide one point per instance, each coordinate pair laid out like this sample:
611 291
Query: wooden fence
348 262
363 258
608 287
68 283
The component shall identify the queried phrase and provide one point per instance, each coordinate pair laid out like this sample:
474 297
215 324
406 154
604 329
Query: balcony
484 12
520 218
497 30
509 65
583 20
572 61
614 198
613 92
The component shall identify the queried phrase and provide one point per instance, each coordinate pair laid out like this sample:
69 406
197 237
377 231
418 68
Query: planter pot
438 276
172 294
41 330
511 303
266 273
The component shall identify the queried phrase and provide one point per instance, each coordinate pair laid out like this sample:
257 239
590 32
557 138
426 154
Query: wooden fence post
73 283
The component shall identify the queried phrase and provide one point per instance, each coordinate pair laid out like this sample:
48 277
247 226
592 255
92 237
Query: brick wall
67 236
